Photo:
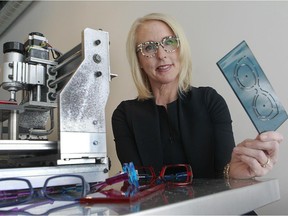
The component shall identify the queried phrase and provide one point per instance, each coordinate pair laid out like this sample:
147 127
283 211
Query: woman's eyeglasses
176 174
150 48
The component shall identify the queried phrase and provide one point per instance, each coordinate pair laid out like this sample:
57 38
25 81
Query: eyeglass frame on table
129 175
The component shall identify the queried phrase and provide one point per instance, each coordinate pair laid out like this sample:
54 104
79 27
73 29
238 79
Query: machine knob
36 33
13 47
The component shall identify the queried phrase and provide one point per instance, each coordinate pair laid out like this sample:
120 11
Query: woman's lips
164 68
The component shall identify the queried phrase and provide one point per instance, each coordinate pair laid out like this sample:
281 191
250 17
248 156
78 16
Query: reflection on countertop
222 196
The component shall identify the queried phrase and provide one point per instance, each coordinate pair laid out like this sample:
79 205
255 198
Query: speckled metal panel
83 99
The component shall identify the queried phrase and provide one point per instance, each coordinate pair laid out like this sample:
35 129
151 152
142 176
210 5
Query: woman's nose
161 53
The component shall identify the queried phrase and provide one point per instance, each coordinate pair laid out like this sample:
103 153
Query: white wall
213 29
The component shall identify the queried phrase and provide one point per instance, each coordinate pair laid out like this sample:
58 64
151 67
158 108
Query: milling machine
66 95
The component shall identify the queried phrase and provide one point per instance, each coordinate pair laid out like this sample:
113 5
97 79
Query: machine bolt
98 73
10 65
52 71
97 58
97 42
95 142
105 170
95 122
52 96
10 76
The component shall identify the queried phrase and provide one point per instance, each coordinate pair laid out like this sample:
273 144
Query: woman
171 122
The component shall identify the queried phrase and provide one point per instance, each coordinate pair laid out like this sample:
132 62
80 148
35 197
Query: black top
203 126
173 150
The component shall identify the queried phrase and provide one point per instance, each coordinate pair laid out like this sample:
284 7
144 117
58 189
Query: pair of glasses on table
175 174
15 191
149 184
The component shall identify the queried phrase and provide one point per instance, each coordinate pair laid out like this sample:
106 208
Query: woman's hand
255 157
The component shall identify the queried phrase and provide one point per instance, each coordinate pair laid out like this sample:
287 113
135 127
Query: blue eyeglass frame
129 173
42 191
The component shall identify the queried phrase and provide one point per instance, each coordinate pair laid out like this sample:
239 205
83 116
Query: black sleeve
123 135
222 130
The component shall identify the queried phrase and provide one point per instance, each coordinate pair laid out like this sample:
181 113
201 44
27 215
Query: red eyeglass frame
154 177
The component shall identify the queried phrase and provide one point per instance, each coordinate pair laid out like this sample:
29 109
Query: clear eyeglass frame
150 48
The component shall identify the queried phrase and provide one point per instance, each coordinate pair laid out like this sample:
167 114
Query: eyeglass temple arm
129 173
16 209
109 181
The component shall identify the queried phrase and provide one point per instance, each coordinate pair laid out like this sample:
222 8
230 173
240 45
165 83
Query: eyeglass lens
177 174
169 44
56 189
14 191
146 175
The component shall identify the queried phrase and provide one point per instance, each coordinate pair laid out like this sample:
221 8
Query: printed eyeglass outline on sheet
252 88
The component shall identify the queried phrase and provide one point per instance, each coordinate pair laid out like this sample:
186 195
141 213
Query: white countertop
204 196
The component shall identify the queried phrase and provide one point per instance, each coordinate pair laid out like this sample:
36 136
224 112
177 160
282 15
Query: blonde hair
140 79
